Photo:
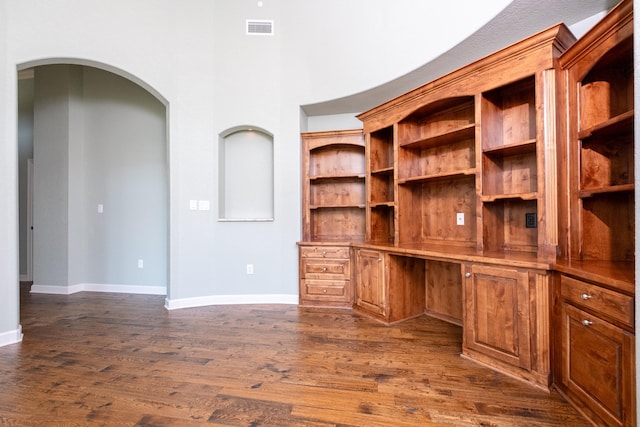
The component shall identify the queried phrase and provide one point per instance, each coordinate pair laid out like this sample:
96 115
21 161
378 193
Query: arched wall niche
246 174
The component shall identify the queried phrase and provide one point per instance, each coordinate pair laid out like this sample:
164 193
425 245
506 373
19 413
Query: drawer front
326 269
609 303
325 290
340 252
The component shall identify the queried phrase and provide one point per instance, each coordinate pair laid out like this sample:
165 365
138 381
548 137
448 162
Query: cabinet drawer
609 303
312 268
325 290
341 252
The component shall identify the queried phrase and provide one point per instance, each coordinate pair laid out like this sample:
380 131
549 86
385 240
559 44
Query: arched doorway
100 199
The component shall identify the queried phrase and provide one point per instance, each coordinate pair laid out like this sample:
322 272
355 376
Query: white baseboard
11 337
173 304
98 287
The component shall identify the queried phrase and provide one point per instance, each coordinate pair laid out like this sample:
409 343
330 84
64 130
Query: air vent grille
259 27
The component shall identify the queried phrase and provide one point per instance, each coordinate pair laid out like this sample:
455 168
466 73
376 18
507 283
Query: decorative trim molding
11 337
174 304
98 287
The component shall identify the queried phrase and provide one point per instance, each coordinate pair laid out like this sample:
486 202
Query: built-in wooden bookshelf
500 197
460 174
381 185
436 173
595 286
333 214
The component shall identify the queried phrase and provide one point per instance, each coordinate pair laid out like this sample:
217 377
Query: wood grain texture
113 359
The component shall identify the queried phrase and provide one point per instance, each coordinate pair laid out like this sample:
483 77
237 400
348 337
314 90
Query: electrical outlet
530 220
140 263
460 218
249 268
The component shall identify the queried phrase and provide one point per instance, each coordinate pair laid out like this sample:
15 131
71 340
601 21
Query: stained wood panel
598 366
444 291
497 315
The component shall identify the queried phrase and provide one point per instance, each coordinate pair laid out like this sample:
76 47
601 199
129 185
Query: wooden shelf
437 176
585 193
383 171
519 196
465 132
336 177
315 207
622 123
524 147
388 204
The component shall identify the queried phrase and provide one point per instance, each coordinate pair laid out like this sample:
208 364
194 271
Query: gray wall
25 152
53 118
99 139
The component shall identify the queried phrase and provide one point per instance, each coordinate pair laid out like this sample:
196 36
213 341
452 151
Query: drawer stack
325 276
597 350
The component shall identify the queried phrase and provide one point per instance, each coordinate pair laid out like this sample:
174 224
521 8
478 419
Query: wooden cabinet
371 291
333 215
595 296
473 188
505 321
463 170
389 288
596 351
325 275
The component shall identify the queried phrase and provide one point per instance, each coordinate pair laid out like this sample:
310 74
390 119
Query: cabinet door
496 323
597 365
371 294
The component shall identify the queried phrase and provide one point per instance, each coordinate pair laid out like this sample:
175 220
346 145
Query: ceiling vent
259 27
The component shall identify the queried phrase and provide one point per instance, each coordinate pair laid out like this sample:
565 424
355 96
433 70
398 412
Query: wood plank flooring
123 360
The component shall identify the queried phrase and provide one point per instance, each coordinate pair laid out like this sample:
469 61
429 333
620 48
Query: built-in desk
501 300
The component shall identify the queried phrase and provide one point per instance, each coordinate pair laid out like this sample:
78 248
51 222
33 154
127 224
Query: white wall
197 59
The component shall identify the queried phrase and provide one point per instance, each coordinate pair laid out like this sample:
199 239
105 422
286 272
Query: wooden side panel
406 287
444 291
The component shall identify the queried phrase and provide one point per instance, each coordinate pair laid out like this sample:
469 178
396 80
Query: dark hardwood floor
123 360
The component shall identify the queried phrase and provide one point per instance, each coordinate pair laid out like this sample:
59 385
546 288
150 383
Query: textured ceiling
520 19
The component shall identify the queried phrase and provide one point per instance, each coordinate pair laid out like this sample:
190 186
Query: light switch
100 208
204 205
193 205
